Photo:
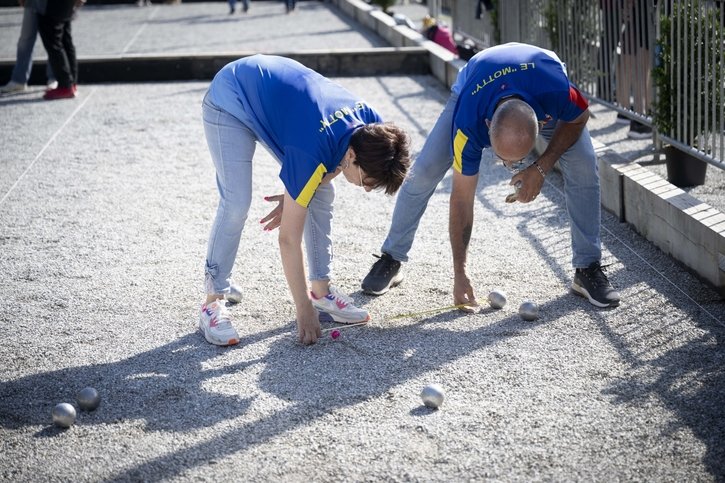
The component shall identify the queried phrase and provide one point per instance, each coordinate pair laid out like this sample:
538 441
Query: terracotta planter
684 169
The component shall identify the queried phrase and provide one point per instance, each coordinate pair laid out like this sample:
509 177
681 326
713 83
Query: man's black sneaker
637 130
383 276
592 284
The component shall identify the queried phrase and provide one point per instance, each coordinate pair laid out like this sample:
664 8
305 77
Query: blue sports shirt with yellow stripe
534 75
305 119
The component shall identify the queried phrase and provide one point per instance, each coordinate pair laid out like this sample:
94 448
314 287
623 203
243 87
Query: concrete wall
153 68
682 226
690 231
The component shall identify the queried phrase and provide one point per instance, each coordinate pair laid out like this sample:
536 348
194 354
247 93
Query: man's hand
513 197
463 293
530 182
274 217
308 325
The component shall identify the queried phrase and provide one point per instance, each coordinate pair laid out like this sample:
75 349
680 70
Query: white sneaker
51 85
215 324
13 86
339 306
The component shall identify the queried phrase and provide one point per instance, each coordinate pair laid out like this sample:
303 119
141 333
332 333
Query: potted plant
684 86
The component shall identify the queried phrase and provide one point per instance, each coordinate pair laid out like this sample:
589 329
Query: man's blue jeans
232 144
581 186
26 43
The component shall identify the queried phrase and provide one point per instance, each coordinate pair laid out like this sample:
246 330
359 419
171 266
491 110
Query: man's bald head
513 130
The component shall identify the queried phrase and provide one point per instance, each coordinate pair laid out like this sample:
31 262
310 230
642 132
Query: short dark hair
382 150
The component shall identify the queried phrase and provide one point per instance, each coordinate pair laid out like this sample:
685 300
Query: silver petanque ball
432 395
88 399
235 295
497 299
529 310
64 415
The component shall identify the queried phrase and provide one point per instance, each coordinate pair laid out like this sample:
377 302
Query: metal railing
636 56
690 77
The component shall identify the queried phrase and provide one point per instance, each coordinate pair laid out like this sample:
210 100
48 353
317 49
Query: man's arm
565 135
460 228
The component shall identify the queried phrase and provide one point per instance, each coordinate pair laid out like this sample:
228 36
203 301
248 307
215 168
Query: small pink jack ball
335 334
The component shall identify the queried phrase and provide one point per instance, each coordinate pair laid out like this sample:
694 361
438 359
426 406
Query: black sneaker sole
394 282
582 292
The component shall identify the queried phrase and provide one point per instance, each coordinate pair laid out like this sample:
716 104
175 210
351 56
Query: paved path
105 206
202 28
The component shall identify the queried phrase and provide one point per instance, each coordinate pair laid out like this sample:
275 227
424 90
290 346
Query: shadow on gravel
31 96
162 387
689 378
322 379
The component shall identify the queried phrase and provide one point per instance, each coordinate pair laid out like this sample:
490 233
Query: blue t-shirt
305 119
534 75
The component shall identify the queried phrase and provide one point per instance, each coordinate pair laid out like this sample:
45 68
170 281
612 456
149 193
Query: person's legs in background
642 93
24 56
70 51
55 34
633 76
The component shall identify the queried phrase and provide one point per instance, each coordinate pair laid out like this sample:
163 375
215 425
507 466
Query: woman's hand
308 325
274 217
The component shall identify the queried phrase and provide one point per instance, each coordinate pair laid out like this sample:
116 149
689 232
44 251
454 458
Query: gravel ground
103 238
105 207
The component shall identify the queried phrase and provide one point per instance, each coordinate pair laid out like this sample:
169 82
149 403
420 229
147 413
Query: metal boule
432 395
497 299
528 310
88 399
64 415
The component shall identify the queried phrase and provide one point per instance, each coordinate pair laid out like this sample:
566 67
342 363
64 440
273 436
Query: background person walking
55 31
26 43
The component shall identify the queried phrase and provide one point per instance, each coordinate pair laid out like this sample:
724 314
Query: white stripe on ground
50 141
140 30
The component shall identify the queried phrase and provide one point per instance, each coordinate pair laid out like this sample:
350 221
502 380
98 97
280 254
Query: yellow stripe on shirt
458 144
309 190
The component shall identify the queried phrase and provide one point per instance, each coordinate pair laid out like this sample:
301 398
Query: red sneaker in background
59 93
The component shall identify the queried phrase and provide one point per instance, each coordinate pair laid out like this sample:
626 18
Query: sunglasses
513 166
